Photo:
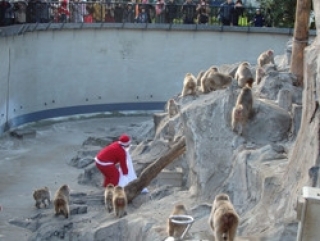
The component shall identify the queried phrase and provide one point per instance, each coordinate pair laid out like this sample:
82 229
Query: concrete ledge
31 27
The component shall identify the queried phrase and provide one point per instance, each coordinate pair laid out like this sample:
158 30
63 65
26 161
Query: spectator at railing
160 11
128 13
189 12
88 17
258 19
45 12
99 11
148 9
109 14
118 13
238 11
143 16
78 11
6 13
203 10
63 12
226 12
171 11
20 9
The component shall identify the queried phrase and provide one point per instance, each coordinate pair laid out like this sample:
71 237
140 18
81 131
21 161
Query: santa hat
124 140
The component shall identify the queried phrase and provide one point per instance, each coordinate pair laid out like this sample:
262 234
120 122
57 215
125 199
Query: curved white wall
52 73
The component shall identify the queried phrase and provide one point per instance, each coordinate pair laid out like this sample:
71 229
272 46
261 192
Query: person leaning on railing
226 12
99 11
189 12
128 13
171 11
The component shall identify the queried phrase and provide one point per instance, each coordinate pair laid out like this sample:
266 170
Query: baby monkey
42 195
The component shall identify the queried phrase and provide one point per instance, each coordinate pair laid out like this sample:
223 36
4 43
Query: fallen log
135 187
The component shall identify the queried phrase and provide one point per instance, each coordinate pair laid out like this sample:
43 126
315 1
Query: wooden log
300 38
135 187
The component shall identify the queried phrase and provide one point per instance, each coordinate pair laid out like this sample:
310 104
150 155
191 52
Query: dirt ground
41 160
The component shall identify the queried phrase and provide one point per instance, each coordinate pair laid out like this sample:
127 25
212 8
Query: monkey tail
225 236
120 202
250 82
60 202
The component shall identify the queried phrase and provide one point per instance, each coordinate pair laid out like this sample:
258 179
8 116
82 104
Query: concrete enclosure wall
54 73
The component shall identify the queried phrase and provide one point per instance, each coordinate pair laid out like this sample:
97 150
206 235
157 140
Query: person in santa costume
111 155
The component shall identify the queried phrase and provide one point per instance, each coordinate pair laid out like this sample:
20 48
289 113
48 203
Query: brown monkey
120 202
260 72
176 230
244 75
41 195
61 201
266 58
223 219
202 74
189 85
213 80
199 76
242 110
173 108
108 197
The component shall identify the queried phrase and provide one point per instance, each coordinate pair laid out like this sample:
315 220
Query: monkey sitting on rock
266 57
189 85
242 110
223 219
213 80
244 75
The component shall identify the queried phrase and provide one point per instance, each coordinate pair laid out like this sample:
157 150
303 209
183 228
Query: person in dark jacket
238 11
226 12
189 11
128 13
258 19
171 11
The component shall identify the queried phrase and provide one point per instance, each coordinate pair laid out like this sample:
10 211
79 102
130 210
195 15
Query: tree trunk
135 187
300 38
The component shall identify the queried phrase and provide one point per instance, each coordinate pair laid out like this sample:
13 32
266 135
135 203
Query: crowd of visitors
134 11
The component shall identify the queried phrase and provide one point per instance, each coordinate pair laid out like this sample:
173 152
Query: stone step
173 178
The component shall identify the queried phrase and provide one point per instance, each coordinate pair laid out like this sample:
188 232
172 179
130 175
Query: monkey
242 110
189 85
199 76
108 196
223 218
202 74
260 72
41 195
173 108
265 58
176 230
61 201
120 202
213 80
243 74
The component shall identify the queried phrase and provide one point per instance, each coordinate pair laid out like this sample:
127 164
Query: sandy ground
41 160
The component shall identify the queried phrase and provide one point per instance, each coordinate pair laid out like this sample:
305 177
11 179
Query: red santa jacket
116 154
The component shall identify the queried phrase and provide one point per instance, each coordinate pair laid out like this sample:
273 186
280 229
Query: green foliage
279 13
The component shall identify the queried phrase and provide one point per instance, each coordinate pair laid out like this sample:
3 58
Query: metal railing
36 11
